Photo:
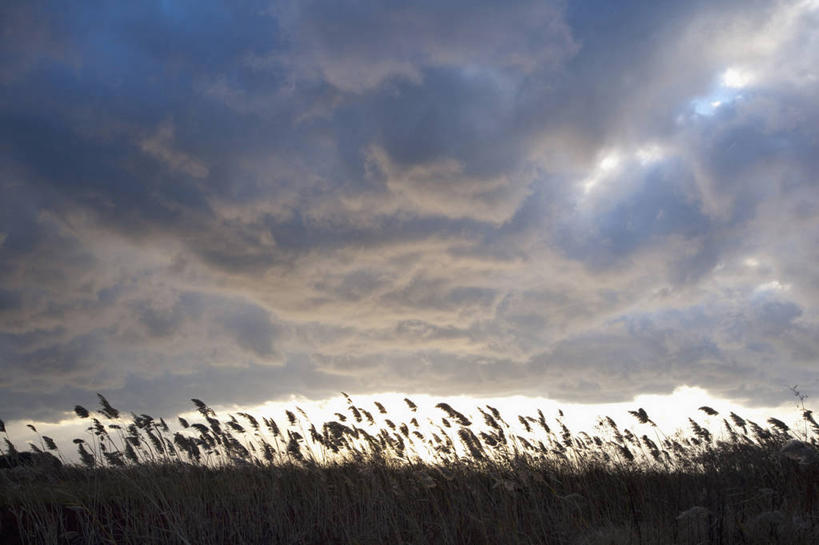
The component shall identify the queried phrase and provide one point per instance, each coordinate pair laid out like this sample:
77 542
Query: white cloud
650 153
605 167
736 78
774 286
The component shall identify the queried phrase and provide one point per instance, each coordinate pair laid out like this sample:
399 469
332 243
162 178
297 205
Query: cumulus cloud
581 200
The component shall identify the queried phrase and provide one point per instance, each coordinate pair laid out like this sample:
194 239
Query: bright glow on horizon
670 412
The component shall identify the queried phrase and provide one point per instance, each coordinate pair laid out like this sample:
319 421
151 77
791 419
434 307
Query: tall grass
449 477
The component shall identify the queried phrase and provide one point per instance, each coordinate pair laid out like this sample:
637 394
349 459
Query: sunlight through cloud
605 167
726 91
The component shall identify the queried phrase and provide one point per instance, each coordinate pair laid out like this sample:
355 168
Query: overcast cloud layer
240 201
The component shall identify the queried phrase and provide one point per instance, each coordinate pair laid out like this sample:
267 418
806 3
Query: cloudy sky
241 201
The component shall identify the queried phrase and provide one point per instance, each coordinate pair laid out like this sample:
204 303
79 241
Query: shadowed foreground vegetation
364 478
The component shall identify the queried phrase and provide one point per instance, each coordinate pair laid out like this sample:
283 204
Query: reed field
367 477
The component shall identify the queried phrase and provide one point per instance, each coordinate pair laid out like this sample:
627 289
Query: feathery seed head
107 410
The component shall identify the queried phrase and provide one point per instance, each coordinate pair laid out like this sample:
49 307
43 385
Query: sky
242 202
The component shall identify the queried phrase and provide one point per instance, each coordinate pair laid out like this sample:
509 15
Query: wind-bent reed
372 477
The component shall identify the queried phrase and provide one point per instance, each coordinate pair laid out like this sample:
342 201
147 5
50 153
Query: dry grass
453 478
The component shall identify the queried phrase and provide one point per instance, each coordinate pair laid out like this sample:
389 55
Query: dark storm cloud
252 329
244 200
